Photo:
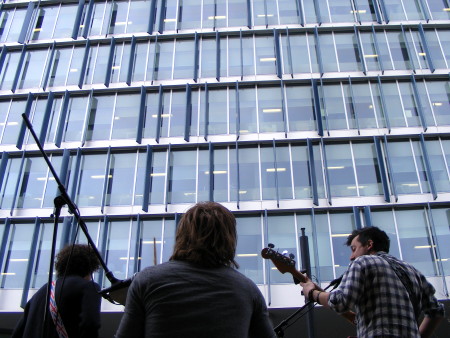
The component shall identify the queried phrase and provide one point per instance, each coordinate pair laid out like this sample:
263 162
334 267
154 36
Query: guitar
287 264
283 263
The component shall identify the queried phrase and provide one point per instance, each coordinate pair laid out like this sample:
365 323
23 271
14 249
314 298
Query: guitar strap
406 281
57 320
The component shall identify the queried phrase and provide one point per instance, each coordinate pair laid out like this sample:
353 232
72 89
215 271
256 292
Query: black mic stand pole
59 202
306 265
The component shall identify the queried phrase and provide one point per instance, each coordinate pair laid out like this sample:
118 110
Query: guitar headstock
282 262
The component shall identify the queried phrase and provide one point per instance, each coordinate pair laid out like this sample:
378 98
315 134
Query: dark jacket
78 304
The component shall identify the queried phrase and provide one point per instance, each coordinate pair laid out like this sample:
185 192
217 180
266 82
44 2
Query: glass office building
327 115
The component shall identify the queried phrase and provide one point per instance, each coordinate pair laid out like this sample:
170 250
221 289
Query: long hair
206 236
78 259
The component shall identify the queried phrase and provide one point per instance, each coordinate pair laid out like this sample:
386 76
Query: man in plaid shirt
387 295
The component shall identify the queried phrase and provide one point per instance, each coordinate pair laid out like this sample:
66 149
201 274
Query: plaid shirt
371 288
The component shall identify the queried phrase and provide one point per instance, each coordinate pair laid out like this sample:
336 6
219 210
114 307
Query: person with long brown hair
198 293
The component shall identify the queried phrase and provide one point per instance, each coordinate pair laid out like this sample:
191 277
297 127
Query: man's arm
428 325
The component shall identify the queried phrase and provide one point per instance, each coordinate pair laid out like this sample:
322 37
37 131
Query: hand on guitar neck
285 263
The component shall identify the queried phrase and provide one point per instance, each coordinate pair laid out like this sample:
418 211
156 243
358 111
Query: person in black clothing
77 298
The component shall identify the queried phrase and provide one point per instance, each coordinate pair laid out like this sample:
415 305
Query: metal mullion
147 179
317 10
276 37
159 118
131 60
206 111
110 62
137 244
360 53
428 167
238 112
408 49
3 164
438 251
49 66
317 110
356 10
105 181
211 171
19 68
187 122
300 12
76 174
275 166
3 56
312 170
31 261
21 134
19 179
77 22
388 160
316 246
62 119
289 48
141 118
217 56
196 56
241 53
66 237
237 175
383 104
377 49
427 49
168 173
4 243
103 239
426 14
249 14
381 169
151 21
322 99
357 217
27 20
419 103
87 19
319 50
283 109
84 63
377 12
161 16
352 105
86 119
384 9
327 177
46 119
267 264
367 216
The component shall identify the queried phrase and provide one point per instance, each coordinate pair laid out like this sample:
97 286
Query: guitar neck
298 275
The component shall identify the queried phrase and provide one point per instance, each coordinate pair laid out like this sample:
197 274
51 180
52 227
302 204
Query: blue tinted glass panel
340 170
182 179
76 112
91 180
270 109
100 118
158 178
249 247
300 109
367 171
120 185
126 114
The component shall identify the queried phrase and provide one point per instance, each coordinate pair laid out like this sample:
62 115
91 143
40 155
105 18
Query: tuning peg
270 245
291 256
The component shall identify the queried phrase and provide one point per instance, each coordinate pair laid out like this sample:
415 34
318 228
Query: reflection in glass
150 244
16 257
367 171
100 118
438 165
270 109
126 114
281 232
340 170
91 180
342 225
32 183
441 220
158 178
221 175
116 253
74 124
249 247
404 172
33 69
300 108
182 178
120 179
416 245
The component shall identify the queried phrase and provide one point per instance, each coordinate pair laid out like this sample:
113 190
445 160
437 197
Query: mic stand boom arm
73 209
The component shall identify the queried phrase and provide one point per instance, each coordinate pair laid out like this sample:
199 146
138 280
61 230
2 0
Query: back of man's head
380 239
77 259
206 236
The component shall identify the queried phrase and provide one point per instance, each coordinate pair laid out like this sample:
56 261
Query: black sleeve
90 311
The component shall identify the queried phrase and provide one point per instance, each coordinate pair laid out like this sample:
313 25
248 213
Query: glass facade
320 115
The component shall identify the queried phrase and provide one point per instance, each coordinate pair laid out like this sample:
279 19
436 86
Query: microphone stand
59 202
309 305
